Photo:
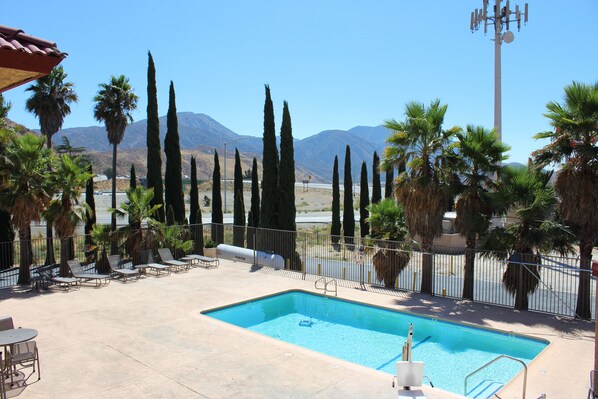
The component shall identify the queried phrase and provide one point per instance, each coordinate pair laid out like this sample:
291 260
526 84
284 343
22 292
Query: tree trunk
427 267
64 256
468 280
114 245
50 259
25 253
521 300
583 309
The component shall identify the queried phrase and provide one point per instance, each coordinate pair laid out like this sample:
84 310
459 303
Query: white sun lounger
77 272
167 258
158 268
205 261
114 261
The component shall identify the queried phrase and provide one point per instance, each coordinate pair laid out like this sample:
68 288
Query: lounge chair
115 262
167 258
204 261
77 271
64 283
158 268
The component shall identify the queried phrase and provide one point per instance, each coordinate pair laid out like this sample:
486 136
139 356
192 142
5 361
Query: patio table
15 336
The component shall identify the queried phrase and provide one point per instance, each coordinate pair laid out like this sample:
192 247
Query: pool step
485 389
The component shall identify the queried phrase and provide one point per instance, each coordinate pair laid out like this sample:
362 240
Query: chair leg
39 369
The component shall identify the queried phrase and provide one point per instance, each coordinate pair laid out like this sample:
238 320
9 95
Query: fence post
303 266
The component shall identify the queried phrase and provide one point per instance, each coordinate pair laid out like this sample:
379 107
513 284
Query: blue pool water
374 337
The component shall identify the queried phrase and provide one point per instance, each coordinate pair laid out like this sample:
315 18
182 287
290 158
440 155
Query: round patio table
16 335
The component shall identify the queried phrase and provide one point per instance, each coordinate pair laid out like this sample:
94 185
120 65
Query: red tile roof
15 39
24 58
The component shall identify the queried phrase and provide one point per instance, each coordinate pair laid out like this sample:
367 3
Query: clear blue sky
339 64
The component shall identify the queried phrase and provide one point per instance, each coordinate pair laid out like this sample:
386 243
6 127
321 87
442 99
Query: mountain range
199 135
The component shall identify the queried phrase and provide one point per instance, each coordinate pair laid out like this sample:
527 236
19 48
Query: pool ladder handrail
495 360
325 286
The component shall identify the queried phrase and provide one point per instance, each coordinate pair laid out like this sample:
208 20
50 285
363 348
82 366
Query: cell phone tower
501 17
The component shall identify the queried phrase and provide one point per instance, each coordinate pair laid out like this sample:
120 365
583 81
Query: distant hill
194 130
318 151
200 135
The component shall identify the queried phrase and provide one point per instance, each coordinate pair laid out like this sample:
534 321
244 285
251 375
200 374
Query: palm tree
526 195
387 223
69 179
421 144
573 147
26 190
50 101
4 108
479 154
138 209
114 102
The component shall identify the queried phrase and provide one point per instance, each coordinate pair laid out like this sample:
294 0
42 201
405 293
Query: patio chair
77 272
158 268
64 283
592 392
115 262
167 258
2 379
24 354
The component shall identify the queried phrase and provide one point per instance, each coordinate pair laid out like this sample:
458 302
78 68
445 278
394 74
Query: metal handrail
495 360
335 287
325 286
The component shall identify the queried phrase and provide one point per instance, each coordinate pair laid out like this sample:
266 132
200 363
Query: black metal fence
310 253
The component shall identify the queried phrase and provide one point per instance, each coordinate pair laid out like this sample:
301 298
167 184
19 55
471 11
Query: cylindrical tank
240 254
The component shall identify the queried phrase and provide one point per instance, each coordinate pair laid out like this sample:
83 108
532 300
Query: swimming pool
373 337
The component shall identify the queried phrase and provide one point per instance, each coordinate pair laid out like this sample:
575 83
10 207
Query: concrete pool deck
147 339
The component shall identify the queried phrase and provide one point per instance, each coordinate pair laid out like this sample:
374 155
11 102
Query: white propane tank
240 254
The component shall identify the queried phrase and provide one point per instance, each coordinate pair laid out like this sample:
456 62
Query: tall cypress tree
239 206
335 229
253 217
133 179
173 174
286 177
286 188
255 194
269 207
195 210
154 157
170 216
376 188
389 182
193 194
364 201
348 214
217 217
